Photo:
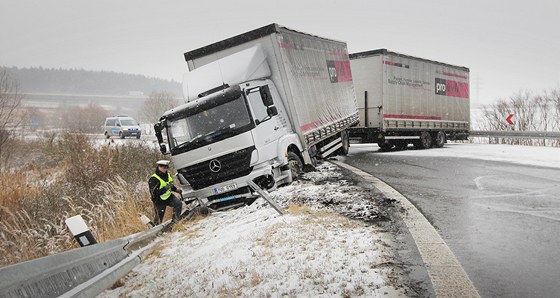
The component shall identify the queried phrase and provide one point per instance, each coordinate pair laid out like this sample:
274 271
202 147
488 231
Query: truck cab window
256 103
180 132
216 122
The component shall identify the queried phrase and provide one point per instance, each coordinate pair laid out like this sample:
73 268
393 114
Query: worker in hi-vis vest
161 189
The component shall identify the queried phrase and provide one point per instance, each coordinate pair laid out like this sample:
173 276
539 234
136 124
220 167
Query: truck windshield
208 126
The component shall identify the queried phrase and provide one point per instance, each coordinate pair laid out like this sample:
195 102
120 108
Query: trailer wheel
385 146
295 164
345 144
439 139
401 145
425 141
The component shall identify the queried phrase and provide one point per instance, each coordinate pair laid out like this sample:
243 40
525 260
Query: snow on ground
253 251
527 155
327 244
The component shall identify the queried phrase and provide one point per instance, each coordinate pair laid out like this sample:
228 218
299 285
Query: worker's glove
167 187
180 191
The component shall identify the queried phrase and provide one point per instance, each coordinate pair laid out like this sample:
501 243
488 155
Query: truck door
267 129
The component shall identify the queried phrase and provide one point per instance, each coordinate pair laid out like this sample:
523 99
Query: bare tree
10 100
554 100
85 120
532 113
156 104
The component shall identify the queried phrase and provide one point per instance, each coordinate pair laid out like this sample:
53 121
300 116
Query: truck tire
107 135
439 139
121 135
385 146
295 164
425 141
401 144
345 144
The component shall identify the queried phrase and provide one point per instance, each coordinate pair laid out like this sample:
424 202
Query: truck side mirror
272 111
158 127
266 96
163 149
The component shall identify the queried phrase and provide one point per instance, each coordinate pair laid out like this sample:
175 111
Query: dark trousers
159 208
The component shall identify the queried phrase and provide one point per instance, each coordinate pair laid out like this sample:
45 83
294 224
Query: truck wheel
138 136
401 145
295 164
107 135
425 141
385 146
121 135
345 144
439 139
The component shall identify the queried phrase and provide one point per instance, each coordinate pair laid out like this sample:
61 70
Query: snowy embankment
253 251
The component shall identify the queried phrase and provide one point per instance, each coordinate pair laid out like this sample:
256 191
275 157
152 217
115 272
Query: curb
448 277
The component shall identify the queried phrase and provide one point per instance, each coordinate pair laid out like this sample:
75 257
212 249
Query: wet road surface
501 220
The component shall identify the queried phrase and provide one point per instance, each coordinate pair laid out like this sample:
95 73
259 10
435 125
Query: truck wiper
184 144
195 139
220 131
225 129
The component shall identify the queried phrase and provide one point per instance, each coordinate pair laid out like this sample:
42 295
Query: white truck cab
257 110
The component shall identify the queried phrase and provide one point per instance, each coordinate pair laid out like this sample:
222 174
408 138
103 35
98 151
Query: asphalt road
501 220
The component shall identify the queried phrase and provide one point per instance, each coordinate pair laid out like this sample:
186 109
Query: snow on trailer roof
243 38
387 52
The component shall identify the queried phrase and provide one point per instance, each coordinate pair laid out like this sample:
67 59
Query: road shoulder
446 274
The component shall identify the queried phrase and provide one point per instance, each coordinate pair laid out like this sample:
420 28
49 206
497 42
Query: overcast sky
508 45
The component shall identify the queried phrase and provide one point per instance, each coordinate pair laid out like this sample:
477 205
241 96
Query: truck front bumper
227 186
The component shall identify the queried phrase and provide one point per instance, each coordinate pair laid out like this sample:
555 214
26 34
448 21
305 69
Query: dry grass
297 209
55 178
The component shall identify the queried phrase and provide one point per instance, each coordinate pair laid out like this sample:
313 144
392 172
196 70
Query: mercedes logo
215 165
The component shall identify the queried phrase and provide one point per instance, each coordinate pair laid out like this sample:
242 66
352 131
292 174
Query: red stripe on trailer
412 117
454 75
285 45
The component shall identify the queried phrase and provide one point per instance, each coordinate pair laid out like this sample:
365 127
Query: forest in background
80 81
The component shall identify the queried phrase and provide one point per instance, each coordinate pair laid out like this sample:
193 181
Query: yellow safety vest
162 184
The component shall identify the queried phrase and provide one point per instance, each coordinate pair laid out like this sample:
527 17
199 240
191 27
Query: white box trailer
260 107
404 99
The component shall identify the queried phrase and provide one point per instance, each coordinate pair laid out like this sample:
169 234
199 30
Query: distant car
121 126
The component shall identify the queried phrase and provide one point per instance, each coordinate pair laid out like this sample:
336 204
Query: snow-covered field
253 251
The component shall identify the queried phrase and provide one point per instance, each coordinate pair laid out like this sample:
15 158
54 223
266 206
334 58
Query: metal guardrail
515 134
81 272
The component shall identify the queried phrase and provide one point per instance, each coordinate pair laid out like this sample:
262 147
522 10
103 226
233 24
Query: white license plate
225 188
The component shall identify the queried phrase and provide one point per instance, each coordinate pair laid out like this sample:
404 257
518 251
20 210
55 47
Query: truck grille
219 169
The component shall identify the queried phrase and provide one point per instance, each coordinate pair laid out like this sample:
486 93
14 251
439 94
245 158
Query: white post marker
144 219
79 229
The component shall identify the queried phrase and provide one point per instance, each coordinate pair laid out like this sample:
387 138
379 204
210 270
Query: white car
121 126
